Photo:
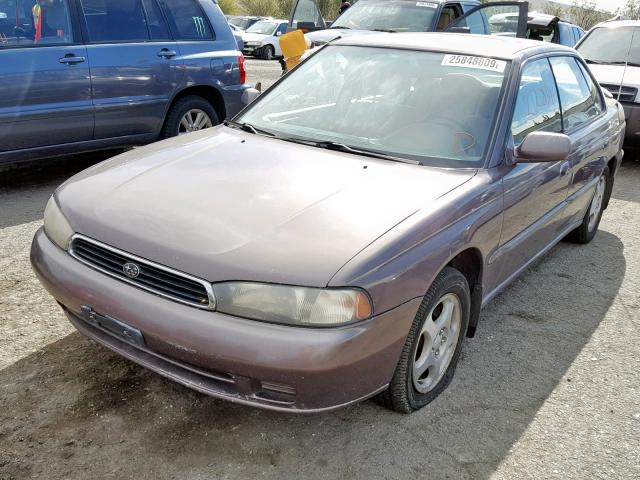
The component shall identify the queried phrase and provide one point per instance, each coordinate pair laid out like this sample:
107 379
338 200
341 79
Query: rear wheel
267 52
189 114
432 349
589 226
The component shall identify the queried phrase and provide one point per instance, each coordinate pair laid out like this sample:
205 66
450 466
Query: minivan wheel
267 52
432 349
189 114
591 220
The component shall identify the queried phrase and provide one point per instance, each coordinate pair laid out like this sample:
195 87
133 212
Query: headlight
56 225
292 305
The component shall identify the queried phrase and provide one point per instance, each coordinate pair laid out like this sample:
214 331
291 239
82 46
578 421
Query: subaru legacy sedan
338 238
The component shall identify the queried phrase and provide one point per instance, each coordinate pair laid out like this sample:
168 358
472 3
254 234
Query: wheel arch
469 262
209 93
613 166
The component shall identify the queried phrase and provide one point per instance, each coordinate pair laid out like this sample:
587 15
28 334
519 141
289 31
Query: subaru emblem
131 270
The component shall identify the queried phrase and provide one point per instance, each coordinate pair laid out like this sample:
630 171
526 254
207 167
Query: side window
578 106
282 28
29 23
115 20
537 107
475 22
448 14
157 28
187 21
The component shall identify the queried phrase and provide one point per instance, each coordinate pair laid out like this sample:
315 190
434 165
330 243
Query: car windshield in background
242 23
265 28
431 107
393 15
612 46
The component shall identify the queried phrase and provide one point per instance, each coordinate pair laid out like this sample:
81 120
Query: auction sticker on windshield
427 4
470 61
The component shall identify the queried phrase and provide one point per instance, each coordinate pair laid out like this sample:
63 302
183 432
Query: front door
45 94
534 193
135 65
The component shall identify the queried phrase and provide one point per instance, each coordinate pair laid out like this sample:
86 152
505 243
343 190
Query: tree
585 14
554 9
228 7
631 9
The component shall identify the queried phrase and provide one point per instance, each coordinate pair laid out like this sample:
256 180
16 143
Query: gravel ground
549 388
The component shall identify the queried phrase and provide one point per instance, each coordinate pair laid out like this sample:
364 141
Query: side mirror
543 147
278 33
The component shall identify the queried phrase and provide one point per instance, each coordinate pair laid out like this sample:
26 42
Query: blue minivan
82 75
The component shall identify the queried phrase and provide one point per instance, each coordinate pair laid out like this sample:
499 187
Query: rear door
45 94
306 15
135 66
500 18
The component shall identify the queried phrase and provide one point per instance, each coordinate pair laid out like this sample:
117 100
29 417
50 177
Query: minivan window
578 106
115 20
187 20
611 45
537 107
27 23
155 23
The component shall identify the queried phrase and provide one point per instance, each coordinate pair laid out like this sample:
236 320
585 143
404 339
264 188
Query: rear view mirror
543 147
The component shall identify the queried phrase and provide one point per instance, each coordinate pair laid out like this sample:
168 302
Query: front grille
150 276
622 94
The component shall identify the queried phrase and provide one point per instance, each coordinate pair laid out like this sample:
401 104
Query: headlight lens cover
292 305
56 225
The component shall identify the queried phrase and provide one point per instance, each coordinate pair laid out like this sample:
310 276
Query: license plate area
112 326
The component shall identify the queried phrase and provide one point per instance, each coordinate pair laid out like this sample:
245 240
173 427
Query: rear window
187 20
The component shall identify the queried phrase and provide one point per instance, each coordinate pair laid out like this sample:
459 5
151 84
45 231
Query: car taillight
243 73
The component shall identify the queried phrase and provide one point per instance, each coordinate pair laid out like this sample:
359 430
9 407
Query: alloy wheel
194 120
596 203
437 343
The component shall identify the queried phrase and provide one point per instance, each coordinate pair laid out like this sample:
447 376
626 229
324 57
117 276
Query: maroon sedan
338 238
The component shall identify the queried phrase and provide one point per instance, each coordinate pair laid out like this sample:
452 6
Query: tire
267 53
406 393
191 103
589 226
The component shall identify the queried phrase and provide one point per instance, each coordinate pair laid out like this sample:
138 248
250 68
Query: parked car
338 238
612 50
97 74
540 26
237 34
244 22
371 16
261 38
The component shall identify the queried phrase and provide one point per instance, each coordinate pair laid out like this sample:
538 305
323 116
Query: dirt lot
549 388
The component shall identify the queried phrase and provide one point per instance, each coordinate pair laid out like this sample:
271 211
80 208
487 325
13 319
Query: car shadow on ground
76 410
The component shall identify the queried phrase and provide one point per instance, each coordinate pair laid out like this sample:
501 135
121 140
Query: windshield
611 45
435 108
242 23
395 15
263 27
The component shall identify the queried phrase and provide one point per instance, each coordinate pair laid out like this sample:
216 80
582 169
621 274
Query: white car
613 51
262 38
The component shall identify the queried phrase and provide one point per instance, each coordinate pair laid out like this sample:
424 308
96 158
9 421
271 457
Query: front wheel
189 114
267 53
589 226
432 349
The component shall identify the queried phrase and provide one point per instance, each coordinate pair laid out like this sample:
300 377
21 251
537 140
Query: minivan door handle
71 59
166 53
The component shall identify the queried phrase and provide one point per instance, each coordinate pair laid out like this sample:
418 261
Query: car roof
496 46
618 23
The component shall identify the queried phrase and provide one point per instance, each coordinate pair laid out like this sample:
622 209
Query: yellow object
293 45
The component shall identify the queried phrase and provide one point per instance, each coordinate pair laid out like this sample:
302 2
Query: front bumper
632 117
270 366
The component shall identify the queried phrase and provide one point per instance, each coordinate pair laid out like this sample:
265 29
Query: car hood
223 204
616 74
253 37
324 36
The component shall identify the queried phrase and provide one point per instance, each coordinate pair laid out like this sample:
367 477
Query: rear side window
537 107
576 98
187 20
31 23
157 28
115 20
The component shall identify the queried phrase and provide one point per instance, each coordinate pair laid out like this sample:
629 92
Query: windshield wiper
247 127
383 30
339 26
341 147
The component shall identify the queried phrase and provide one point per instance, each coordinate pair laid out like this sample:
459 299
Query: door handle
564 168
71 59
166 53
